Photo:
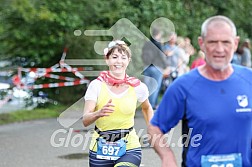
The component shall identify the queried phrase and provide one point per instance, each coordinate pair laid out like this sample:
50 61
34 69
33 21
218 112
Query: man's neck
216 75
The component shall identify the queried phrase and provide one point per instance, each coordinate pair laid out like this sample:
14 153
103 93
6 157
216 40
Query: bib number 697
109 150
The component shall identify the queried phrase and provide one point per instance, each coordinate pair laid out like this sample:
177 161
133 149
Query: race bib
110 150
228 160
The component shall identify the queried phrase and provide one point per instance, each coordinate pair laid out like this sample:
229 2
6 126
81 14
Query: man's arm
158 141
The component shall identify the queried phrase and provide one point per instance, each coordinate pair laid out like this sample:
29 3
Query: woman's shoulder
141 87
93 90
95 82
142 92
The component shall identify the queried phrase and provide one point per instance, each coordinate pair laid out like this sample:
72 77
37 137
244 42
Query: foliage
25 115
39 30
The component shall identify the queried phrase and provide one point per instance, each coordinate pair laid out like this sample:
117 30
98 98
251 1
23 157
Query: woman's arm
90 115
147 111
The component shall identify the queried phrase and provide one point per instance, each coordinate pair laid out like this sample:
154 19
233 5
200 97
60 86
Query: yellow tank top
121 118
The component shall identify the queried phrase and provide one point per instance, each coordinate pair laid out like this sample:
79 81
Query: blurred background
34 34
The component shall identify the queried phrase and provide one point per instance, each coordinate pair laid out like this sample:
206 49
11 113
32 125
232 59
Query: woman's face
118 63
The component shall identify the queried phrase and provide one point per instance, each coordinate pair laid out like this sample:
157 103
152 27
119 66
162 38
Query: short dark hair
122 48
155 31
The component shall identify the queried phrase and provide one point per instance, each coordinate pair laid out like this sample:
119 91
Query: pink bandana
106 77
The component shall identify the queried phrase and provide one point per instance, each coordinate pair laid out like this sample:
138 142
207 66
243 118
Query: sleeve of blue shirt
171 109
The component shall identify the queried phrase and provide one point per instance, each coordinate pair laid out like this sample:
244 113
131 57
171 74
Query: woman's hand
106 110
90 116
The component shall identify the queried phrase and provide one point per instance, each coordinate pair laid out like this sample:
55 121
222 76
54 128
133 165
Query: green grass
25 115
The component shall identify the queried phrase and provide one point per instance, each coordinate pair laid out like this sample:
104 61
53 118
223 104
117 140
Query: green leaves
47 26
39 30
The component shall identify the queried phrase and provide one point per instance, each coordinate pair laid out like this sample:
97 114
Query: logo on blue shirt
243 102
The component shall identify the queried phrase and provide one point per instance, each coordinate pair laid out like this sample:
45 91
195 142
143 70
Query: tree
39 30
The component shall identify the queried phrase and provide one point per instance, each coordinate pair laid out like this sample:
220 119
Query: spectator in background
176 57
200 60
189 49
183 56
172 53
237 57
155 65
246 54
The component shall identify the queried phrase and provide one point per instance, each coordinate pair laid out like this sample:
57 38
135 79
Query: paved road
30 144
